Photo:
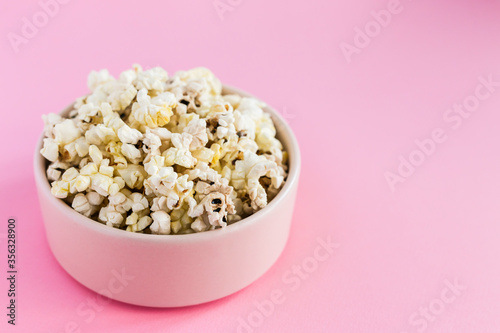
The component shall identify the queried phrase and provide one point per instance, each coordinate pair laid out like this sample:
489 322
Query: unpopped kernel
160 154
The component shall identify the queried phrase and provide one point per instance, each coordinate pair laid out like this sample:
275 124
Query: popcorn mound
150 153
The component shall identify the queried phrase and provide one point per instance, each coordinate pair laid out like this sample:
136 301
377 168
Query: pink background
353 120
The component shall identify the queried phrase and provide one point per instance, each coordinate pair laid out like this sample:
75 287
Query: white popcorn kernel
119 181
95 154
247 173
138 202
117 199
111 216
251 107
161 183
83 205
96 79
144 222
159 203
129 135
84 161
203 154
106 170
66 132
222 131
70 174
233 218
55 170
114 189
89 169
50 121
60 189
245 126
115 149
122 94
213 209
95 199
100 134
154 165
181 109
101 184
133 175
198 225
50 150
153 140
180 154
153 112
198 129
152 79
136 223
232 99
131 153
213 84
161 223
81 147
80 184
175 226
162 133
132 219
69 152
88 114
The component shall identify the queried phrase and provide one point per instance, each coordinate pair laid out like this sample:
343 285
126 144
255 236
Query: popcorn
55 170
129 135
115 150
152 79
198 130
86 204
131 153
161 223
97 79
212 207
111 216
136 222
133 176
180 154
149 153
88 114
247 174
50 149
138 202
66 132
50 121
152 112
153 140
122 95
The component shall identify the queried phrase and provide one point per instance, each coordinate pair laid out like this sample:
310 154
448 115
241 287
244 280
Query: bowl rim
283 130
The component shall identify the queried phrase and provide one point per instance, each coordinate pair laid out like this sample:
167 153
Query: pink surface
424 257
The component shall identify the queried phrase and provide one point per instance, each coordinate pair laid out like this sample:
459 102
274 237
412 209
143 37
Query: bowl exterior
170 270
167 274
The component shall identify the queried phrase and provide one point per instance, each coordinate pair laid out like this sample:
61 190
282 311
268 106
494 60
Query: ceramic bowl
170 270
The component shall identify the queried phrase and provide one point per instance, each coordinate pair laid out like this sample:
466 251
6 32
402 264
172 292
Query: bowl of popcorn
166 191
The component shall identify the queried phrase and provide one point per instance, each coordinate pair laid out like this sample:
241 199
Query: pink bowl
170 270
